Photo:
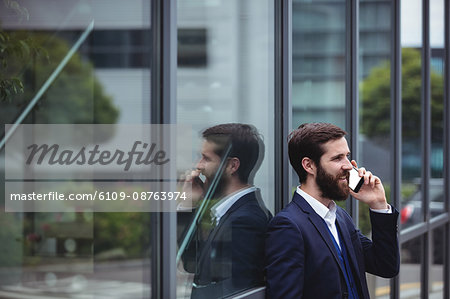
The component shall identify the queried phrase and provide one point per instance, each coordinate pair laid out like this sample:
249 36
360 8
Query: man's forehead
208 147
336 147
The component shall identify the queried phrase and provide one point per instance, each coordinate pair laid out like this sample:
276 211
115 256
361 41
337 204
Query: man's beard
221 185
330 186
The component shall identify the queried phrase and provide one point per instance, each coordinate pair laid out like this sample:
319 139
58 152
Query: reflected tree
376 103
76 95
28 58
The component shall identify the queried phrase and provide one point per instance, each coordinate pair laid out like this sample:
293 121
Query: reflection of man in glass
229 240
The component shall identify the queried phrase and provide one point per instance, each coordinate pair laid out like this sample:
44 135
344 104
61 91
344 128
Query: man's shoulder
341 211
297 205
291 213
249 207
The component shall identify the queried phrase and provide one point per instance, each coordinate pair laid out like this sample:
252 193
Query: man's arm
284 259
381 255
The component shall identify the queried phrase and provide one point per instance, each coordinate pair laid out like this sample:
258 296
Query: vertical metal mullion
351 87
163 103
426 143
164 61
396 119
283 106
446 273
446 266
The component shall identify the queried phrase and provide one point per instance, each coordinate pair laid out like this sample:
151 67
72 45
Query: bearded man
227 252
313 249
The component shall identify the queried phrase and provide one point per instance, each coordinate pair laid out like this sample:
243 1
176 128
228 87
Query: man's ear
233 165
309 166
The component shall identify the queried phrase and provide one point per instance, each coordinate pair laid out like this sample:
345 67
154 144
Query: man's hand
372 191
197 190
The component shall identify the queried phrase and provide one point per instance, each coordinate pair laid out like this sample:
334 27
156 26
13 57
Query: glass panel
375 98
374 94
318 63
225 75
410 268
437 106
411 43
67 70
437 263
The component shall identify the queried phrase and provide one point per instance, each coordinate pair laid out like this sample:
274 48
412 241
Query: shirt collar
323 211
220 208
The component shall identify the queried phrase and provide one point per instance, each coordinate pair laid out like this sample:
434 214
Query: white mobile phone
355 181
202 177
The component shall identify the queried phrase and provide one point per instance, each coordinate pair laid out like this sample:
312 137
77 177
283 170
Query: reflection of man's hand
197 190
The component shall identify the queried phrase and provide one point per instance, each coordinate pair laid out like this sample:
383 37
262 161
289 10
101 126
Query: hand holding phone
202 177
355 181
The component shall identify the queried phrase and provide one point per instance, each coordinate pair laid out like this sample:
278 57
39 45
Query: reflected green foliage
28 58
12 49
121 235
11 232
375 98
76 96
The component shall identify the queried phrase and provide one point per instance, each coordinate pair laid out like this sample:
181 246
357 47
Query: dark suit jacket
302 262
232 258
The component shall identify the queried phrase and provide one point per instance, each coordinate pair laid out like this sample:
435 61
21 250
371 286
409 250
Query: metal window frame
446 273
396 119
282 100
352 89
163 103
426 148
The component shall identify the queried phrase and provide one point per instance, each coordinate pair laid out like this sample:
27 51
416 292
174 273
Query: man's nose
199 165
348 165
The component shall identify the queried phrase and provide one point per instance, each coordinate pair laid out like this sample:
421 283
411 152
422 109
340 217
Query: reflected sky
411 23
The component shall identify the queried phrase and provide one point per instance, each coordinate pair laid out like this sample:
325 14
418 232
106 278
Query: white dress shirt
220 208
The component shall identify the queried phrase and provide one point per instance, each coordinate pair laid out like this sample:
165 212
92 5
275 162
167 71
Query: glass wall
378 21
74 62
437 63
411 267
412 122
318 62
374 107
225 75
436 182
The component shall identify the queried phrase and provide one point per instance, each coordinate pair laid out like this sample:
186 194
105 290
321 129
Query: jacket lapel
208 244
348 244
320 226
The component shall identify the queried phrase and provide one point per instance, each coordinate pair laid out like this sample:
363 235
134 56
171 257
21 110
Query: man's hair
246 145
307 141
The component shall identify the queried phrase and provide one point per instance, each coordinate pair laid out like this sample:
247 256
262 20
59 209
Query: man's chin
345 193
341 198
